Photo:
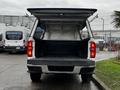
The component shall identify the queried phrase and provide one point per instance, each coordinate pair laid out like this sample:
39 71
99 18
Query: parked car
60 47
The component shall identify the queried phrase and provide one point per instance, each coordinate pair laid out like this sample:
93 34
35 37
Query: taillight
92 49
29 48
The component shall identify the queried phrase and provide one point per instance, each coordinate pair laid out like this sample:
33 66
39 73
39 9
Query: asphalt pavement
14 76
102 55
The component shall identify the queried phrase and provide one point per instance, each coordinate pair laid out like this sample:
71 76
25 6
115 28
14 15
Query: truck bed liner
61 48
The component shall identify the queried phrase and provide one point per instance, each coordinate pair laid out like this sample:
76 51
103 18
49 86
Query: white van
15 38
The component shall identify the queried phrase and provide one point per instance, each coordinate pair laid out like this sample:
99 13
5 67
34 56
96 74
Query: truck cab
59 46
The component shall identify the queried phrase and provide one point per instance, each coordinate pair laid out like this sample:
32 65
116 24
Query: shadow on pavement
56 82
60 82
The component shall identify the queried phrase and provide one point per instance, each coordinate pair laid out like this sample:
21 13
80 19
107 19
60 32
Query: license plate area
60 68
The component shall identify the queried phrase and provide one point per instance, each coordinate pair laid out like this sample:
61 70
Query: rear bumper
61 62
14 48
79 66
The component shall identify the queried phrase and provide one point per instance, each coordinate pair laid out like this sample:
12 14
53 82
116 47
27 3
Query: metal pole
104 35
110 41
103 23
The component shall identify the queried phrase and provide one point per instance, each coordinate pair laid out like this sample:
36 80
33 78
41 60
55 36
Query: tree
116 19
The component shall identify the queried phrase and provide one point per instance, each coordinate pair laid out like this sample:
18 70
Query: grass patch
109 73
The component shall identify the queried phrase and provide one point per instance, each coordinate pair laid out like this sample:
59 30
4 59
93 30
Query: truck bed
61 48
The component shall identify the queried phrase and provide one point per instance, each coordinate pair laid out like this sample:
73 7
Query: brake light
92 49
29 48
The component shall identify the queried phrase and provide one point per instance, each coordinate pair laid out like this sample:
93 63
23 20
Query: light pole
104 37
103 23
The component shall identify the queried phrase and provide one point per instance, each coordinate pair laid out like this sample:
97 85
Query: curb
99 83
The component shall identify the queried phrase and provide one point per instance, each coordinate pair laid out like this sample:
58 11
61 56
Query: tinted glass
0 37
14 35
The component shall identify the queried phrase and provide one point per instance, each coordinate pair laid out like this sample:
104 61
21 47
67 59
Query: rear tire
35 77
86 77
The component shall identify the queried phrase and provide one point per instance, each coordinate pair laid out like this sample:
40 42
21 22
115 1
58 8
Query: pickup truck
56 44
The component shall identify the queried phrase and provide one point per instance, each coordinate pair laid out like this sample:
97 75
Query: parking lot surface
14 76
102 55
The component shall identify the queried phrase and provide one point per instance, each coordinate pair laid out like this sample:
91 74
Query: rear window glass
84 34
0 37
14 35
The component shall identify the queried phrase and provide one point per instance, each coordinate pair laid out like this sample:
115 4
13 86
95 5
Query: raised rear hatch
76 16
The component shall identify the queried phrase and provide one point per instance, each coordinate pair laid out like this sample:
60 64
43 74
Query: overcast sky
18 7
